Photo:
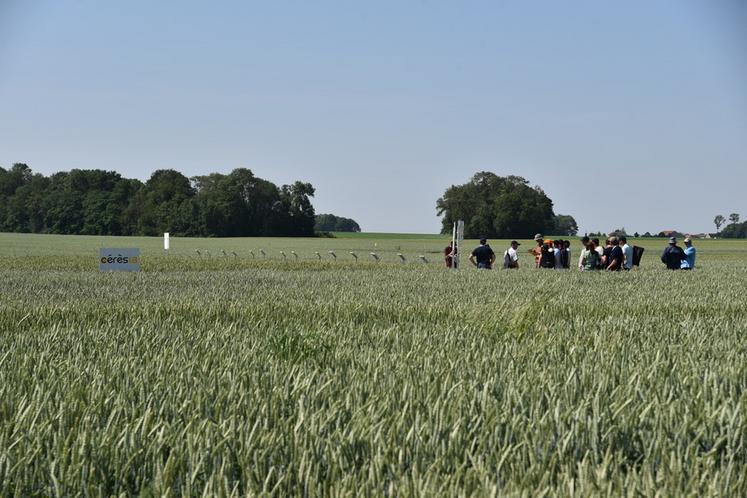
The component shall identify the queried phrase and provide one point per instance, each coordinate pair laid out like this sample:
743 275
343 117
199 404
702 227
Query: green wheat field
213 372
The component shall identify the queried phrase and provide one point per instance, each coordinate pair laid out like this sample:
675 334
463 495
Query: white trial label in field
121 259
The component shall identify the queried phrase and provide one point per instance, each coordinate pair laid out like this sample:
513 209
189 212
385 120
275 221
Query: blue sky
627 114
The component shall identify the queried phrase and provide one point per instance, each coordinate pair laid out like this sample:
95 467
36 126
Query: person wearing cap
511 256
483 256
537 250
673 255
689 262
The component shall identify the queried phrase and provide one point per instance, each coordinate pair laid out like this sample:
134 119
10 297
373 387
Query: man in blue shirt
689 262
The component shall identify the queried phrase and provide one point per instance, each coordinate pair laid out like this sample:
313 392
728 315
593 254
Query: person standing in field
673 255
511 256
537 250
483 256
450 256
615 258
598 248
627 253
606 252
567 254
584 246
547 255
689 262
557 253
590 259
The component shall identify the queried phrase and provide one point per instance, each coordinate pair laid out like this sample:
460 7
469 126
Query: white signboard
166 241
122 259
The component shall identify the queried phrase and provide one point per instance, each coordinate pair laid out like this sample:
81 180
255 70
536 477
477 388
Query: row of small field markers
295 255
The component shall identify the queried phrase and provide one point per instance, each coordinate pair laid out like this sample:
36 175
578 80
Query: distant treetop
500 207
332 223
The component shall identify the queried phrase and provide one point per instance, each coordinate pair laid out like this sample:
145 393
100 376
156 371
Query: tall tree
497 207
718 221
300 212
734 217
165 198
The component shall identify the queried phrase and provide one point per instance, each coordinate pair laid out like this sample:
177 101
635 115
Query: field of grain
232 375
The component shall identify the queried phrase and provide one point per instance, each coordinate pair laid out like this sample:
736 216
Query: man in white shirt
627 253
511 256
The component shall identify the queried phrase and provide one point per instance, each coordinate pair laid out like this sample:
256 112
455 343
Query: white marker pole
166 241
459 242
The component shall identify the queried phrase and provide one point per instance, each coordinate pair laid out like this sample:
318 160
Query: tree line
734 230
98 202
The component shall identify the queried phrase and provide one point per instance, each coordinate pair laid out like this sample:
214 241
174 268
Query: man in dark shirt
673 255
615 256
483 257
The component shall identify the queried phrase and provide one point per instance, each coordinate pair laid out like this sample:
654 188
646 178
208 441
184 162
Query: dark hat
483 241
514 242
672 240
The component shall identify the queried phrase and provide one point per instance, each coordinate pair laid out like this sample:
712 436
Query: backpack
547 260
506 260
637 255
565 261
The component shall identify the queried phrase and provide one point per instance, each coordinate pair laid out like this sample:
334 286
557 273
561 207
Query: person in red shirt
449 259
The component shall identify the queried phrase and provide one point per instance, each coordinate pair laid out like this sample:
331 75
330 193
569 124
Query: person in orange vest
537 250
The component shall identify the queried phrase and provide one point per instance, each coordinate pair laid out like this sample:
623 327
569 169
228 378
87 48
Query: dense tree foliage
97 202
496 207
735 231
332 223
565 224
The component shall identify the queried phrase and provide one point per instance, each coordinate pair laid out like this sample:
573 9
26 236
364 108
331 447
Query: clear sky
627 113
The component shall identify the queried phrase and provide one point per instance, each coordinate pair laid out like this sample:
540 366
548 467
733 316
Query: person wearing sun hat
689 262
536 251
673 255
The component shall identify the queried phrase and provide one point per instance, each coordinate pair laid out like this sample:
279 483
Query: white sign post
457 238
122 259
166 241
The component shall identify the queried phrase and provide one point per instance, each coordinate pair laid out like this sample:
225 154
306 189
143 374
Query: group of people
615 255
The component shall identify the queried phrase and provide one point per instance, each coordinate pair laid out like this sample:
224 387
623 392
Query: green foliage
223 376
496 207
718 221
332 223
735 231
97 202
565 225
